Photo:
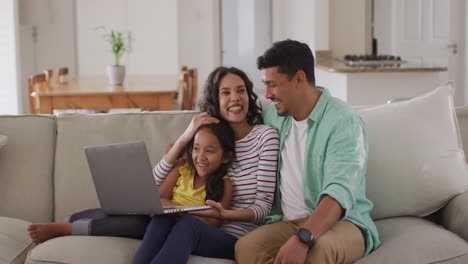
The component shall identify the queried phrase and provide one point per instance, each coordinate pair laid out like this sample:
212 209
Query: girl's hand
217 211
166 202
197 121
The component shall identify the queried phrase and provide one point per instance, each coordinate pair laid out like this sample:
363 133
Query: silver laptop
124 182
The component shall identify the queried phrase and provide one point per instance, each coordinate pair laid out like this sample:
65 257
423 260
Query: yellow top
183 192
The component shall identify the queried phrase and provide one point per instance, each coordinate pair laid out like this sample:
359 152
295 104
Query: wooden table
152 92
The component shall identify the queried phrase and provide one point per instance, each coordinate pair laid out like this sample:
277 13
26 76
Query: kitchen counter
329 64
371 85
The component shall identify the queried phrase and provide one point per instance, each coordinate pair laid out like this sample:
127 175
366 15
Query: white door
432 32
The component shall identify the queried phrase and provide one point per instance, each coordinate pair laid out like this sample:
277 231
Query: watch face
305 236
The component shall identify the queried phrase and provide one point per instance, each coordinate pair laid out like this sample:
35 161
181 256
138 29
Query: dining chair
186 97
193 77
62 76
49 73
36 83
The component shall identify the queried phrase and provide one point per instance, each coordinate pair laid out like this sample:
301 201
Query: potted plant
116 72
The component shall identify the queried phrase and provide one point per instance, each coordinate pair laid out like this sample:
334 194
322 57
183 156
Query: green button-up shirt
335 162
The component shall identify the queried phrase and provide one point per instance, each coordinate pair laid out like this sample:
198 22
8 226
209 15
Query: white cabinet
372 88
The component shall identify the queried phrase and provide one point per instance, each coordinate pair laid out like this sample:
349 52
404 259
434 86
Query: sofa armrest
454 216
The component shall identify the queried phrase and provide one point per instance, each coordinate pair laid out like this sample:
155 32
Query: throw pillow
416 159
3 141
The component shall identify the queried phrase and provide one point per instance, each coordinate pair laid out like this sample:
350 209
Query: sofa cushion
416 159
416 240
156 129
82 249
3 140
26 167
202 260
14 240
462 117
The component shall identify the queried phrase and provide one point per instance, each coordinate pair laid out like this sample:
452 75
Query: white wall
9 99
321 25
466 53
246 34
383 26
55 44
199 37
303 20
294 19
152 25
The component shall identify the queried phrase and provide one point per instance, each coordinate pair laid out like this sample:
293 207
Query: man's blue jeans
172 239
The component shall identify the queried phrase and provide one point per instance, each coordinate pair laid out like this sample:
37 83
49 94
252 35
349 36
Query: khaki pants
343 243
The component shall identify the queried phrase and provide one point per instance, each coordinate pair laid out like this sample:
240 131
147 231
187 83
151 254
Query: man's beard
284 113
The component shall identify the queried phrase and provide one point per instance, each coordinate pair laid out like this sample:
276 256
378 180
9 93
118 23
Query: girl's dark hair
210 101
214 185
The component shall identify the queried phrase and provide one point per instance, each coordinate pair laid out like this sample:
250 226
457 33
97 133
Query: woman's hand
175 150
217 211
197 121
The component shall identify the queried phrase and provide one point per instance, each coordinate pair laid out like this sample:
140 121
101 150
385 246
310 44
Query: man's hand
292 252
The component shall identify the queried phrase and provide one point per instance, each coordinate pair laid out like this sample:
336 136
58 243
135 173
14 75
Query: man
321 213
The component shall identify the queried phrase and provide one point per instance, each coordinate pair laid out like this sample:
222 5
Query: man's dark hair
290 56
214 186
210 101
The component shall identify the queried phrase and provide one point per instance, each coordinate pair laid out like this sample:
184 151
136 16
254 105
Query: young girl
201 176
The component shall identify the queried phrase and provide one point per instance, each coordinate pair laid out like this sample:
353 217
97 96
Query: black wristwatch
305 236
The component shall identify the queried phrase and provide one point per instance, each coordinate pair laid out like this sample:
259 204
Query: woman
228 96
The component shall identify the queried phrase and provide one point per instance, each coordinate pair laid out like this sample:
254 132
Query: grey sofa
44 177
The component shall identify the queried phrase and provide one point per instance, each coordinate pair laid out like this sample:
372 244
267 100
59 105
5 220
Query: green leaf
117 41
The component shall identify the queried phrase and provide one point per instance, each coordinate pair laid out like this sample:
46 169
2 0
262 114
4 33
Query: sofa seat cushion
202 260
416 240
14 240
84 249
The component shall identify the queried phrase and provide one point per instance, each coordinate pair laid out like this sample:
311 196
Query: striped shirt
253 175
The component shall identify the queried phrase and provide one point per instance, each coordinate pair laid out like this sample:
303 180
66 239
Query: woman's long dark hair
210 101
214 186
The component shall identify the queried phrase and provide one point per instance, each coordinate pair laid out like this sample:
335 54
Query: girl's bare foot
43 232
